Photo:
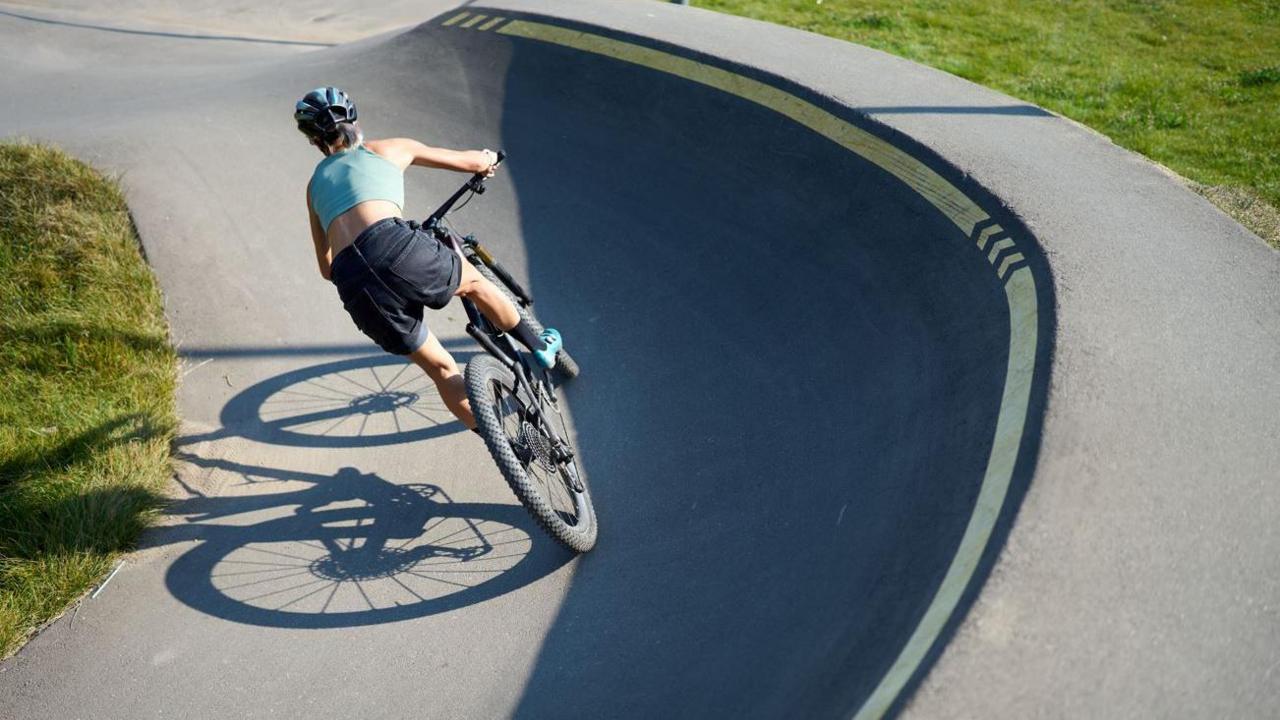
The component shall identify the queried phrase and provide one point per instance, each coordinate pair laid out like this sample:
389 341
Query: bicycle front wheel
522 446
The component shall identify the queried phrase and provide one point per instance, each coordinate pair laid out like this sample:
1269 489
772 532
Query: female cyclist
385 269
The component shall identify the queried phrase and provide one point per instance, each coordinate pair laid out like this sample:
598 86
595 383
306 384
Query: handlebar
474 184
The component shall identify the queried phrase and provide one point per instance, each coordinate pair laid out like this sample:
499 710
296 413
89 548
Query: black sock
527 336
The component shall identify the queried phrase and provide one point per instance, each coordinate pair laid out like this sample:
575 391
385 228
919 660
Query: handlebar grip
501 156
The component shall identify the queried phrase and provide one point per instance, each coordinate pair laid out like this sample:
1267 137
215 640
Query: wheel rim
531 445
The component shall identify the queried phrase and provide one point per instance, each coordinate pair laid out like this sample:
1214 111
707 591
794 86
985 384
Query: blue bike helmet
319 111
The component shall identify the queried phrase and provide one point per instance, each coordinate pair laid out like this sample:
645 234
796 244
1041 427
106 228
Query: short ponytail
345 135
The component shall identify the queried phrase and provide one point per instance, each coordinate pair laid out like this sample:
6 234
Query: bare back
347 227
401 152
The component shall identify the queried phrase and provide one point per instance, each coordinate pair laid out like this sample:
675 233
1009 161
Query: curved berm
817 360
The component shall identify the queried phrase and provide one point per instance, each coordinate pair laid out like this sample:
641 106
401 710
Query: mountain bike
515 403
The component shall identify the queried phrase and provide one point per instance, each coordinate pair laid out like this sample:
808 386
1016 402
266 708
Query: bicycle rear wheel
566 367
522 448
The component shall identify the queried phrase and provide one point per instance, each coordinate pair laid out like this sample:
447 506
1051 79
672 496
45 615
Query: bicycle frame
496 342
535 387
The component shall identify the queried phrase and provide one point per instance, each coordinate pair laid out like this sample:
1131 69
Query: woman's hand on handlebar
488 163
483 168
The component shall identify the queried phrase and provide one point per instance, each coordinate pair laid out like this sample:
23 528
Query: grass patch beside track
1192 84
88 377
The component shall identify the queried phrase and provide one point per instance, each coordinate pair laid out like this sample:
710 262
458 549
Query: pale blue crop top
347 178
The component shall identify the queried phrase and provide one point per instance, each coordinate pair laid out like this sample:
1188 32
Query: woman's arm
319 240
405 152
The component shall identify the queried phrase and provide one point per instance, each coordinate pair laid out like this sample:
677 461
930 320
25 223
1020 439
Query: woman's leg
488 298
495 306
443 371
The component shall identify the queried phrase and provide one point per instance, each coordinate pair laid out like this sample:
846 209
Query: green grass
88 378
1192 84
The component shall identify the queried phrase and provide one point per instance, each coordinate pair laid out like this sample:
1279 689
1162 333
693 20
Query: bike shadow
344 550
367 401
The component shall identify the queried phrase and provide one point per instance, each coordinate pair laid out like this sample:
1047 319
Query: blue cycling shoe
547 358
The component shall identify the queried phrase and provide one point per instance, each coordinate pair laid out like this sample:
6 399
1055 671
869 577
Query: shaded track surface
797 373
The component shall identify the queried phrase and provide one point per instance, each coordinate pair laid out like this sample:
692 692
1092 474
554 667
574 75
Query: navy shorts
388 275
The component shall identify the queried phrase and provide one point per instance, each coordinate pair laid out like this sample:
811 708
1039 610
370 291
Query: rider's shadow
349 549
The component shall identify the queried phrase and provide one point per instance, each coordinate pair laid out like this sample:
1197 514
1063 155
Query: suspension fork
483 254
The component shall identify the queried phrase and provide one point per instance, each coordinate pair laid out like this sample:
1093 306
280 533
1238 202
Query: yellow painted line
1009 260
1020 293
489 25
473 21
986 234
998 247
453 20
945 196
